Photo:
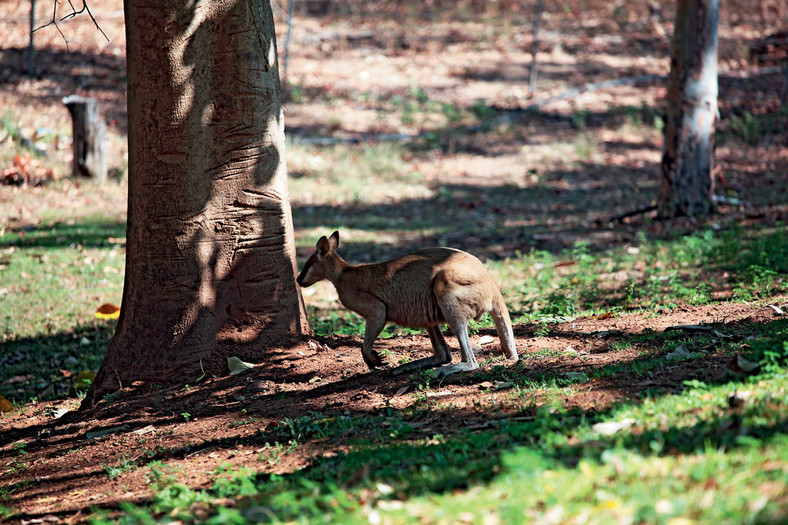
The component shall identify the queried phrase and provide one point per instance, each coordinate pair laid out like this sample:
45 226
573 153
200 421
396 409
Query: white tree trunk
688 149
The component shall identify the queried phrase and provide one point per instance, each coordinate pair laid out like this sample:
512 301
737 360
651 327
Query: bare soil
229 420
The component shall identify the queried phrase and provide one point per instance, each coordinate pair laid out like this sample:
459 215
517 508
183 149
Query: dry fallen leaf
58 412
237 366
108 311
144 430
6 405
777 309
84 380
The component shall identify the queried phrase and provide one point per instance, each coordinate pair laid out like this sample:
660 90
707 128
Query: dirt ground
232 418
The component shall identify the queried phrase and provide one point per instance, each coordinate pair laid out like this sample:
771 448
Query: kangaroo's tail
503 324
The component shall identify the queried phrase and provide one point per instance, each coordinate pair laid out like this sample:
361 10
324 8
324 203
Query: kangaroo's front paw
372 359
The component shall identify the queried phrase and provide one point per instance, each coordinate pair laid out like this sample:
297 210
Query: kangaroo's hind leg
439 356
375 322
460 328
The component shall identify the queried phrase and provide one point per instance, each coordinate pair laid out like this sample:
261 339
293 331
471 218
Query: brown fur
424 289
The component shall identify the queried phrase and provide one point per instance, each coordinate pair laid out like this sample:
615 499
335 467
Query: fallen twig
690 328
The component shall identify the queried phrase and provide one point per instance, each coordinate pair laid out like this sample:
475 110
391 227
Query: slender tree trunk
688 150
31 50
535 48
210 263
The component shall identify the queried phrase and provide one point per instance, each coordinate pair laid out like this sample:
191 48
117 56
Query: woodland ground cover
652 381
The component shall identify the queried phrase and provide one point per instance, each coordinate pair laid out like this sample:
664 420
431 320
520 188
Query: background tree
210 263
688 149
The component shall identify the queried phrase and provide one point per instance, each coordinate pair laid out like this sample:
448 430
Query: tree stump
88 132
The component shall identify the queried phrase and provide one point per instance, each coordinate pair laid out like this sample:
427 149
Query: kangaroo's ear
322 247
334 240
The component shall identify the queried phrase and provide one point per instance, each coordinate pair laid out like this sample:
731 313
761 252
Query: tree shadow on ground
97 74
469 453
252 413
495 222
87 233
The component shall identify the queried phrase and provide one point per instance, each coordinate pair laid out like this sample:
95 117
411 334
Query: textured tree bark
688 149
88 131
210 264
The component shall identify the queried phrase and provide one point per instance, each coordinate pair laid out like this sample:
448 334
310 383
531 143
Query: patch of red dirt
229 420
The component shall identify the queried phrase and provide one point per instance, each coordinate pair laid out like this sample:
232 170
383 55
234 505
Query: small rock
746 365
443 393
679 353
486 339
611 427
257 386
384 488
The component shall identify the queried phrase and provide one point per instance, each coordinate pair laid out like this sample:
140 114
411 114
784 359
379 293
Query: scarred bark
210 265
688 149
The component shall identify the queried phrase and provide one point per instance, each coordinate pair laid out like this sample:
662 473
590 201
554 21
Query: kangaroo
424 289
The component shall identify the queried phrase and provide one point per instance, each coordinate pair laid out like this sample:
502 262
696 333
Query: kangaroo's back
407 284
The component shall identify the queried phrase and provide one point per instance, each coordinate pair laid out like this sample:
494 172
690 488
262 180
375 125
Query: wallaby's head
322 264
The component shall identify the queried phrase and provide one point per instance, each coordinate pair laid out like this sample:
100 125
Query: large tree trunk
210 264
688 150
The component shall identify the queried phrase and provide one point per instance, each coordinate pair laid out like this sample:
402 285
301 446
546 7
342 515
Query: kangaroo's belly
418 310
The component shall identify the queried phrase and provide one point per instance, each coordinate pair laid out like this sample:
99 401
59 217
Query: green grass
125 465
657 275
686 456
347 174
53 279
676 454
